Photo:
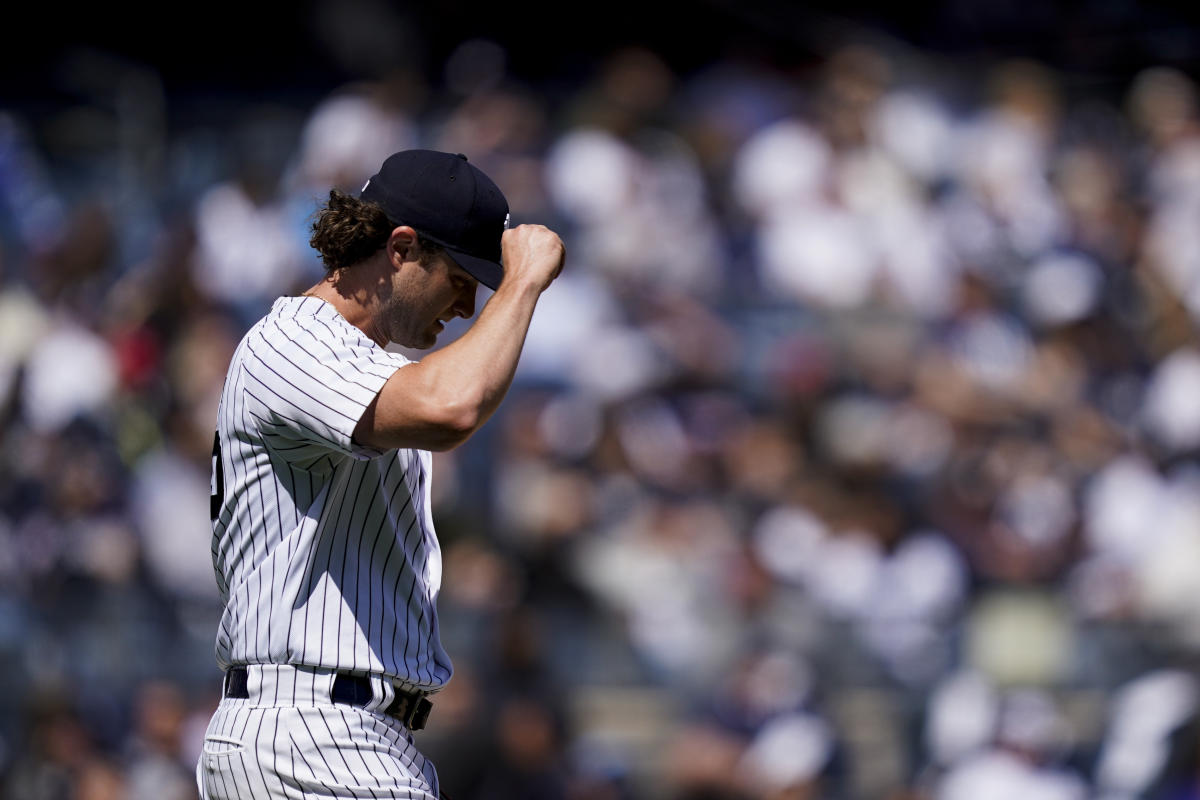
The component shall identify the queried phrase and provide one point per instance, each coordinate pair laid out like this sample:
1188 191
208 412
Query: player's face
441 292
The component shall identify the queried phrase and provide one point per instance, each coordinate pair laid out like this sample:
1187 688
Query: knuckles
531 237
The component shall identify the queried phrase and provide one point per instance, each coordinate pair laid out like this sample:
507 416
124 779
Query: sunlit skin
423 300
437 402
393 297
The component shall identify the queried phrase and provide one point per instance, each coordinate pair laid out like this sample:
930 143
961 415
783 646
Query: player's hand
532 254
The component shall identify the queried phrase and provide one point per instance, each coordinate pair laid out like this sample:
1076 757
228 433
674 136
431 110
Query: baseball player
323 539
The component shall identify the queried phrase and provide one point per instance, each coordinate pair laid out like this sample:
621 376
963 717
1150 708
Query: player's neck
355 293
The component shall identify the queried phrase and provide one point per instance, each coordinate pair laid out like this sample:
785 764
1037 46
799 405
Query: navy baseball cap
448 201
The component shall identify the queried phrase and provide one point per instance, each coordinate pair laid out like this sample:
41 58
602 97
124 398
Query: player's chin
418 341
429 338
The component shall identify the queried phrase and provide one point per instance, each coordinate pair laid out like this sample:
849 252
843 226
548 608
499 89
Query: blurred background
854 455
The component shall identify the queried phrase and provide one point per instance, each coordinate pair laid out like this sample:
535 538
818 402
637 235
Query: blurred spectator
157 763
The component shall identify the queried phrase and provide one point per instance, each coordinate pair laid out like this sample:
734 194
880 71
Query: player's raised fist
532 254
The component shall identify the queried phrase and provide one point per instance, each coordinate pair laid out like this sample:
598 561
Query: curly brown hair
348 230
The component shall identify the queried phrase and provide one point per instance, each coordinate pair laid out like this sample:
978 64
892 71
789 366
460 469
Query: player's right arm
440 401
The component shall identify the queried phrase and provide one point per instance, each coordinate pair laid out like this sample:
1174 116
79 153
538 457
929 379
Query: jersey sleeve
312 379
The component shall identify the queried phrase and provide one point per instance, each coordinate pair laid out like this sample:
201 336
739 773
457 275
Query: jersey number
217 484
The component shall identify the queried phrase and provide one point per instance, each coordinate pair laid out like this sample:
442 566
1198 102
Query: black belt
411 709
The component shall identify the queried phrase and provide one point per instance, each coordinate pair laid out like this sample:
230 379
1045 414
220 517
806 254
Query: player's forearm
472 374
438 403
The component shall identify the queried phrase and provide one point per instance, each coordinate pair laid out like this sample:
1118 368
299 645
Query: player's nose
464 306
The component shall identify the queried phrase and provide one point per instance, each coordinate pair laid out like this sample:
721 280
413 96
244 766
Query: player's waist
288 685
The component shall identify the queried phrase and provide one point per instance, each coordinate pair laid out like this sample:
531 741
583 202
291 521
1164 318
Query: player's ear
400 244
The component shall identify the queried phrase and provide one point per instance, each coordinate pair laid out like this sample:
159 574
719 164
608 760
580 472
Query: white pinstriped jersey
324 550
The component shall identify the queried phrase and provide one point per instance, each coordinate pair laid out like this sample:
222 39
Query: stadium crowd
852 456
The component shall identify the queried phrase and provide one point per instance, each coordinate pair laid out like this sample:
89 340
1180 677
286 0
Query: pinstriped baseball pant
289 740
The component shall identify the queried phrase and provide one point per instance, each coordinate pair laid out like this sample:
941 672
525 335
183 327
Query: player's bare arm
439 402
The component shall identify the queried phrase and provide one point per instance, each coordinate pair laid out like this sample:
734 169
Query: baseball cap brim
489 273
